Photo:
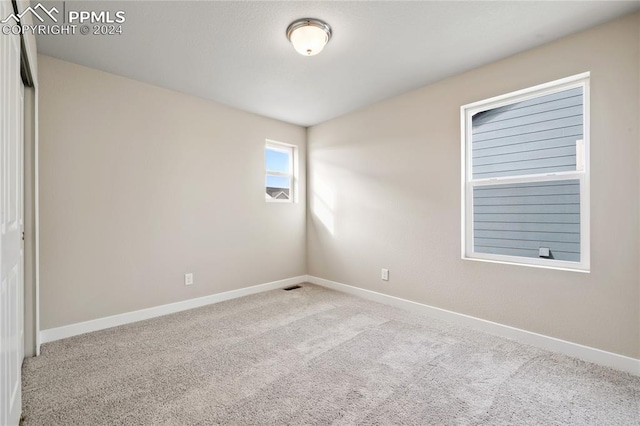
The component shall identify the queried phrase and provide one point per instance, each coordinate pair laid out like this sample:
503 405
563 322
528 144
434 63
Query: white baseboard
70 330
597 356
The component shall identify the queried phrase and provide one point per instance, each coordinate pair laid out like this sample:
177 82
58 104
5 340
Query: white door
11 225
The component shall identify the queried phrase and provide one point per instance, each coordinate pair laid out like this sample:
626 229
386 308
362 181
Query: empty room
319 212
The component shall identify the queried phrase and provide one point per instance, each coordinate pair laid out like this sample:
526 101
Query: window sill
280 201
581 269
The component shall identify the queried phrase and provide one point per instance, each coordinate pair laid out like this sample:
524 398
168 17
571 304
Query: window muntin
525 177
279 176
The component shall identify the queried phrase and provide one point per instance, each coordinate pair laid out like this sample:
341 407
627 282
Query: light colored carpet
314 356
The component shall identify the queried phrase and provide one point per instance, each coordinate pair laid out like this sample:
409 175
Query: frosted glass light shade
309 36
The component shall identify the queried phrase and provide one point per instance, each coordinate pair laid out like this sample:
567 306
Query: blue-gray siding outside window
536 136
518 219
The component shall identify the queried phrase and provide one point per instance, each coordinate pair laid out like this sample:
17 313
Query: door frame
32 230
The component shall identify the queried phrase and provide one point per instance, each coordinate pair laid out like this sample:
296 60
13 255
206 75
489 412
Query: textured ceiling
236 53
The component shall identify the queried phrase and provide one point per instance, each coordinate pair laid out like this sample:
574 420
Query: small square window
279 178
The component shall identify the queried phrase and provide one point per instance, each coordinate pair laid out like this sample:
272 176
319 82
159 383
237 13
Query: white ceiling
236 53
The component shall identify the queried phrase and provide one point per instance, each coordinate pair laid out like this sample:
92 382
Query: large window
525 180
280 178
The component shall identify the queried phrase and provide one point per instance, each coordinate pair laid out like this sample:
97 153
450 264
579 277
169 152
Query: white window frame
291 150
468 183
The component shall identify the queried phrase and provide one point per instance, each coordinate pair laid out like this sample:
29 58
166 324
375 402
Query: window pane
278 188
530 137
278 182
277 160
520 219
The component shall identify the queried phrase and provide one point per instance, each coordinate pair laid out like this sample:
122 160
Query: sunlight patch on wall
323 204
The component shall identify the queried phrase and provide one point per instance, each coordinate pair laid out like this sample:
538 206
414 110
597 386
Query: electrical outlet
385 275
188 279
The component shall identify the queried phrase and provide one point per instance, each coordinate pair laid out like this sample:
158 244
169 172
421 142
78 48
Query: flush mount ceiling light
309 36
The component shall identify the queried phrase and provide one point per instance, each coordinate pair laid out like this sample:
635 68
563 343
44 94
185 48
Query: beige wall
139 185
384 192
